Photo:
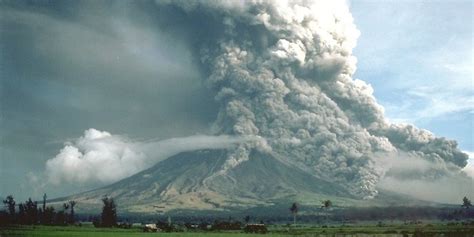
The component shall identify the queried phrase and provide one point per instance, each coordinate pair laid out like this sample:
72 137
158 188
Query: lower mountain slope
195 181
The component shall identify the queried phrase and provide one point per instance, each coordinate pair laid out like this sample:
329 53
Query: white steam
99 156
96 156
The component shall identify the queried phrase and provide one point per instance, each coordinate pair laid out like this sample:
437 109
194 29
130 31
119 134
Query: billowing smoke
99 156
282 73
469 168
426 179
282 70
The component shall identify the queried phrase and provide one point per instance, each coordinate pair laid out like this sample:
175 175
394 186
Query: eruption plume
283 70
282 76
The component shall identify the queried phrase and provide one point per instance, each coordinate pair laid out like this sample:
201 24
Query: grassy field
276 230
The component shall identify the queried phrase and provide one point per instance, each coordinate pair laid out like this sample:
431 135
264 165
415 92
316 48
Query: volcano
302 128
192 181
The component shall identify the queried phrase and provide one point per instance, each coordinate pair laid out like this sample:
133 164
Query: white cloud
100 157
96 156
420 72
441 100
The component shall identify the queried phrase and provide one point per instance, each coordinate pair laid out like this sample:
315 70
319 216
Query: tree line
294 209
30 213
388 213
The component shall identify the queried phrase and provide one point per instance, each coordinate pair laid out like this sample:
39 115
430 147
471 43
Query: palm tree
72 203
326 204
109 212
65 206
10 204
294 211
466 203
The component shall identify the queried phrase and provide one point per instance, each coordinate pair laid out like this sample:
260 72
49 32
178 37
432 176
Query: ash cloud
282 75
283 71
425 179
469 168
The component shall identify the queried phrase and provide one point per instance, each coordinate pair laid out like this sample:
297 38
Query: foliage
226 225
72 204
247 219
326 204
466 203
109 213
60 218
10 204
30 214
48 216
294 208
294 211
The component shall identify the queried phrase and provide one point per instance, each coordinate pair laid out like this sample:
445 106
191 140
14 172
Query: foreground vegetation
34 220
463 229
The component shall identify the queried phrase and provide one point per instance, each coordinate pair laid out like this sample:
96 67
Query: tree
466 203
247 219
48 216
31 209
294 211
22 217
60 218
10 205
66 207
326 204
72 203
109 213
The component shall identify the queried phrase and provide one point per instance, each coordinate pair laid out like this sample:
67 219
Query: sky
418 56
62 74
64 70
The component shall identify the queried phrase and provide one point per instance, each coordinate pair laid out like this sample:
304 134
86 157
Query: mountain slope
193 181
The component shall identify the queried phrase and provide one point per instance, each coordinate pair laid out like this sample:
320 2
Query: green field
275 230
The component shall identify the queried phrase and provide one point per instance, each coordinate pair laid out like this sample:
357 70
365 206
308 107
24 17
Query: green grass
275 230
93 232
